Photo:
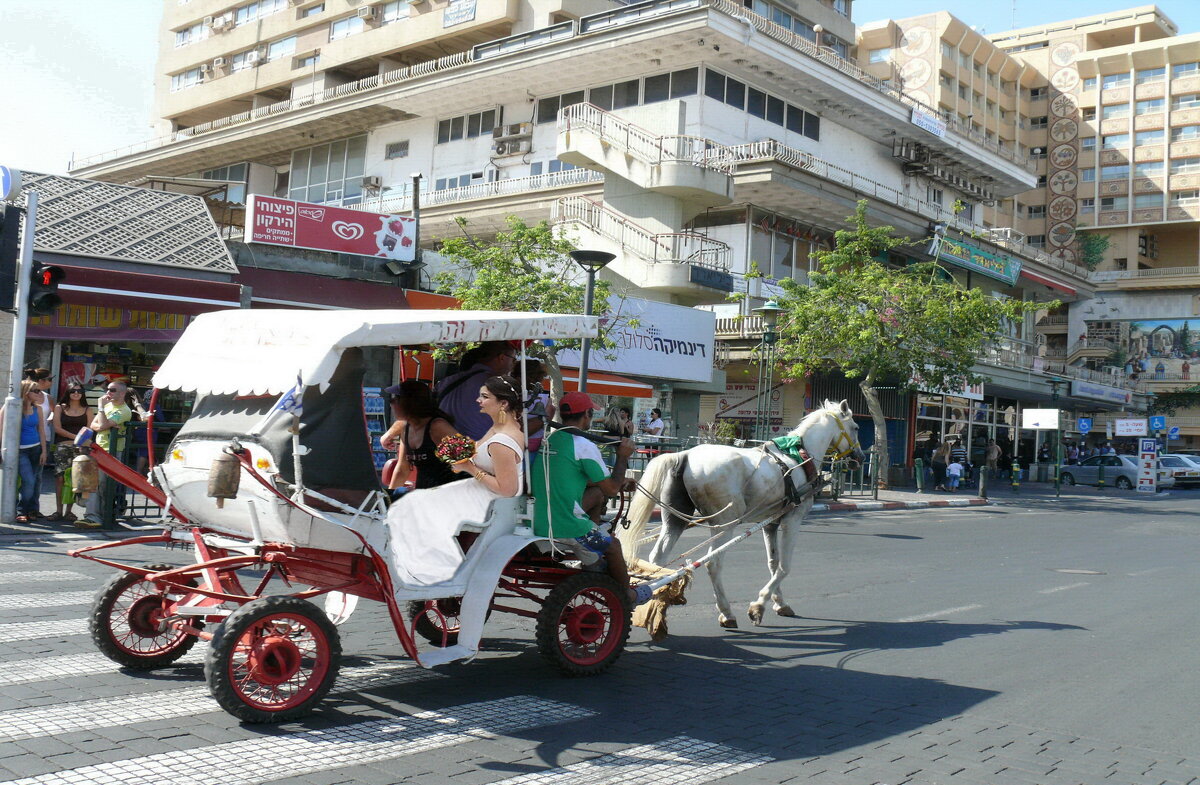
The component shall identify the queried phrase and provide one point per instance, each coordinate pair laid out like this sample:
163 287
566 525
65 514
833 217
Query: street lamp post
592 262
769 311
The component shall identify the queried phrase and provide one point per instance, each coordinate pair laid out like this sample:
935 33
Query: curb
917 505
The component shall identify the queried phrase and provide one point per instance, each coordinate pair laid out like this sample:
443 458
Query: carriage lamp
769 311
592 262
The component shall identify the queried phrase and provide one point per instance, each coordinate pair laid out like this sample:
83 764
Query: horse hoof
785 610
756 614
729 624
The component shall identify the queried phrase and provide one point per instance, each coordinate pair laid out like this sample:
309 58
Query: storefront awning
161 293
283 289
600 383
1046 280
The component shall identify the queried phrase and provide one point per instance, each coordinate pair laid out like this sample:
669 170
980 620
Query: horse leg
668 535
725 616
780 540
771 542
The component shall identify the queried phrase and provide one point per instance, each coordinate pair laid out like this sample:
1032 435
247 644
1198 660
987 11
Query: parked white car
1184 468
1120 471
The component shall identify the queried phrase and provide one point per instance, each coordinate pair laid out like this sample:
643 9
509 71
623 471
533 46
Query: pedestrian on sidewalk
32 453
992 459
941 458
70 417
954 473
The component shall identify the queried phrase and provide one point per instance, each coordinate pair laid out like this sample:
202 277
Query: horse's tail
650 489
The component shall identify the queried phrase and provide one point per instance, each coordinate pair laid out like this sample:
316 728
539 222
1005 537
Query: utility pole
12 404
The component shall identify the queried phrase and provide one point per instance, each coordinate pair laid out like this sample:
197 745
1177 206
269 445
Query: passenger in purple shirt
458 392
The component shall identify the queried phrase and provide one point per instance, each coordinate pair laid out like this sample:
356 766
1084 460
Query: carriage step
442 656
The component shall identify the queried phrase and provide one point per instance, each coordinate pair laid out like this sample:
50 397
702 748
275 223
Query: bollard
919 468
983 483
1100 476
1016 477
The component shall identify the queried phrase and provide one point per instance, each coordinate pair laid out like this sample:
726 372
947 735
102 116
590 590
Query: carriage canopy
259 352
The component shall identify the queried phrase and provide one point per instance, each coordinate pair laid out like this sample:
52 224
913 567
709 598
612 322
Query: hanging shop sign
1100 392
668 341
319 227
97 323
740 402
929 121
969 257
457 12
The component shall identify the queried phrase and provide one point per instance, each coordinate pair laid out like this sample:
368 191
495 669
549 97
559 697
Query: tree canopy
888 325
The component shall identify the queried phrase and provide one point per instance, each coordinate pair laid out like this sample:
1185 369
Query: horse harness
793 447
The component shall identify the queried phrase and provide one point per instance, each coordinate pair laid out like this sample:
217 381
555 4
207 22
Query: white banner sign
1131 427
740 402
669 342
1040 419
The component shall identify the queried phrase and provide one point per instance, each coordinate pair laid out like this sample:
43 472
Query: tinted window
658 88
714 85
756 102
547 110
684 82
1092 462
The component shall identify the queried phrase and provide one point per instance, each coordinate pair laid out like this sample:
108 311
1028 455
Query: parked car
1120 471
1185 469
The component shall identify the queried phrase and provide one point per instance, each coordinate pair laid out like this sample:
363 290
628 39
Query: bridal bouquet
455 448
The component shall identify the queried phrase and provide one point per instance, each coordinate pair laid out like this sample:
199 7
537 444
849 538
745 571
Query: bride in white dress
422 549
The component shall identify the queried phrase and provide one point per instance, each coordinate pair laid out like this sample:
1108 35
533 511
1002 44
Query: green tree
884 325
1171 402
1092 248
525 268
1185 339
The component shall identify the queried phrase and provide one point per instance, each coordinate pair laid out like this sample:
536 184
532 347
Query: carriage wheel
583 624
126 622
436 620
273 659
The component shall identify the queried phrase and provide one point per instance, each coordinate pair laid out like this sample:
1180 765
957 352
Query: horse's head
833 424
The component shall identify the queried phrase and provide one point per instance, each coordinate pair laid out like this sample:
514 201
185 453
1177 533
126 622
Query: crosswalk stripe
163 704
30 630
70 665
14 558
42 575
53 600
678 760
311 751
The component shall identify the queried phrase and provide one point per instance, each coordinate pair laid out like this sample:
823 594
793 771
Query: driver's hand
625 448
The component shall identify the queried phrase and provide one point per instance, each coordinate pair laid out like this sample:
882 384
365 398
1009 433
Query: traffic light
43 289
10 249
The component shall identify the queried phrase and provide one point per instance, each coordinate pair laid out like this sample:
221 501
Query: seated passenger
420 425
422 549
573 463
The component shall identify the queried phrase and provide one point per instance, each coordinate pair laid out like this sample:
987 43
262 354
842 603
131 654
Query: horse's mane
826 407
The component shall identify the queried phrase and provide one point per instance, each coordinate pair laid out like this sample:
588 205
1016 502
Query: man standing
112 415
992 458
576 471
456 393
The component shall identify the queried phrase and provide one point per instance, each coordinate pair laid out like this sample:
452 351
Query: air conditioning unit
205 68
209 21
372 181
223 22
254 57
368 12
219 62
512 147
512 131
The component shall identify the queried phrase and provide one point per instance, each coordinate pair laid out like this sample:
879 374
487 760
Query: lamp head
592 260
769 311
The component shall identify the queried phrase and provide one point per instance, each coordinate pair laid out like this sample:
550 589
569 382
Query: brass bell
224 477
85 476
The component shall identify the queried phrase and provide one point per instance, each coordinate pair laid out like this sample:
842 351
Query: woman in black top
419 426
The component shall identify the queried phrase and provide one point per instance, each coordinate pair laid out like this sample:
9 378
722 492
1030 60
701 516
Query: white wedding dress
422 549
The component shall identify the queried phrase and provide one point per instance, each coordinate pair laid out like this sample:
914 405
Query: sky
78 75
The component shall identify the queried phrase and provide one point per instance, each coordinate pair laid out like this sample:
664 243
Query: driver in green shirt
574 464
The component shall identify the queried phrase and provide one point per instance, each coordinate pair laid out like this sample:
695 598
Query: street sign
1173 433
1158 422
1040 419
1084 424
1147 465
10 183
1136 427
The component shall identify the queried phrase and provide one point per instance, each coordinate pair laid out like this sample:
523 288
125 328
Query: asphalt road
1035 641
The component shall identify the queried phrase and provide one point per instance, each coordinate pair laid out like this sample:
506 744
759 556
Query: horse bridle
843 436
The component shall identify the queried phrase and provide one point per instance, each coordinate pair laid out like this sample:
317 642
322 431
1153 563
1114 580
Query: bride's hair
506 389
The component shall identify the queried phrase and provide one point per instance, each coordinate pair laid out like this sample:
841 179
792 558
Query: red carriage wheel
583 624
436 620
273 659
127 618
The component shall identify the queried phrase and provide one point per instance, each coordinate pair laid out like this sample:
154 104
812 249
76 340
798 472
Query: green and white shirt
573 463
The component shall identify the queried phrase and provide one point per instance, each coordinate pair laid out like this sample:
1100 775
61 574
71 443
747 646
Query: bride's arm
507 479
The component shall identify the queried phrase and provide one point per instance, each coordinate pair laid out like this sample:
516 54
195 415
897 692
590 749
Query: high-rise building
696 139
1109 107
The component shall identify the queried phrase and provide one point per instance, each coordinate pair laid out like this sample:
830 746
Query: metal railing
466 193
666 247
1154 272
642 144
1052 319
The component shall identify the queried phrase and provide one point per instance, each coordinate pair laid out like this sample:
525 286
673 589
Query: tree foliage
1171 402
885 325
524 268
1092 248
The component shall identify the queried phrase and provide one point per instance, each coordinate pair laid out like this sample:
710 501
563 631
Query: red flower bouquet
455 448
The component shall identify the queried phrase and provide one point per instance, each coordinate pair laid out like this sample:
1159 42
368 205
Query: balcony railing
1052 319
1021 355
739 327
466 193
1154 272
627 15
663 248
642 144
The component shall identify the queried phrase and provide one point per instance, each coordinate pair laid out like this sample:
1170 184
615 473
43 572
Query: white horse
729 485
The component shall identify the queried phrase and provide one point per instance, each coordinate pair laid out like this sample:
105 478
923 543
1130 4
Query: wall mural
1167 349
1064 136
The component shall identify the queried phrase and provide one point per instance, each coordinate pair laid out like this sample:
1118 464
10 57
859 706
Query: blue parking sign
1158 422
1173 433
1084 424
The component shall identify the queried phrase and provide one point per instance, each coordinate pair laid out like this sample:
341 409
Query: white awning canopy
257 352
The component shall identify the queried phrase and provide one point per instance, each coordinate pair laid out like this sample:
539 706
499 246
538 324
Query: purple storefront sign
94 323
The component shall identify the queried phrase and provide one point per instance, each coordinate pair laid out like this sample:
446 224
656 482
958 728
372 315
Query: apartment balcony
1154 278
1088 348
740 328
613 43
1054 324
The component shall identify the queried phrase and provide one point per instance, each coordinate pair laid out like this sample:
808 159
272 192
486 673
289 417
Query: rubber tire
427 628
1067 478
550 617
224 643
101 631
1123 483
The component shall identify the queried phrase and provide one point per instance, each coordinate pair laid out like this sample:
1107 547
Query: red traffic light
43 289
